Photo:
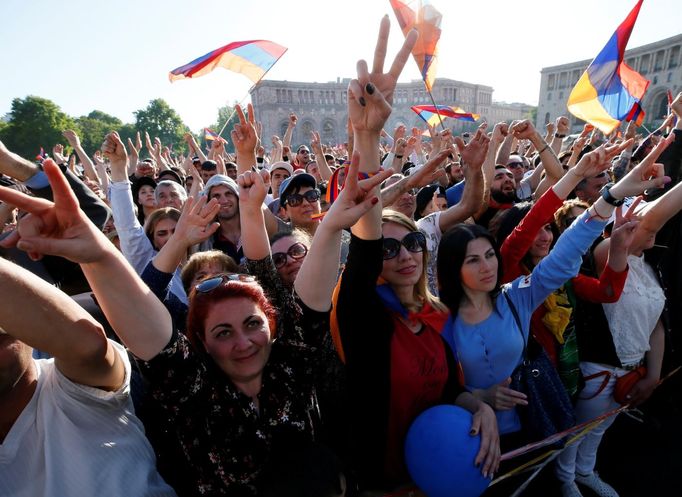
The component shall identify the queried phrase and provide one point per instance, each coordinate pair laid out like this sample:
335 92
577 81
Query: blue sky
115 56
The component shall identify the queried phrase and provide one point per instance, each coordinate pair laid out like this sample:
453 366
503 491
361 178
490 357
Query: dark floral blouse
225 439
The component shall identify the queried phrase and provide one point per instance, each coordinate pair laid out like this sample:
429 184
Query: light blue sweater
490 350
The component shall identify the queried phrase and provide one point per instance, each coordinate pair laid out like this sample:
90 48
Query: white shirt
633 318
75 440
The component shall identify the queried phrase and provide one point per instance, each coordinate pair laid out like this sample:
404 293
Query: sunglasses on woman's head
414 241
296 251
211 284
296 199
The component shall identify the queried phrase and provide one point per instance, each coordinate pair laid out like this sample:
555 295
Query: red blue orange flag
210 135
636 114
426 20
609 88
251 58
430 113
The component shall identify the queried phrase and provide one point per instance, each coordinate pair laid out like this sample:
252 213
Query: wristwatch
557 135
610 199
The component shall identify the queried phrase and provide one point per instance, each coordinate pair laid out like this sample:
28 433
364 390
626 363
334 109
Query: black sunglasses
296 199
514 165
414 241
212 283
296 251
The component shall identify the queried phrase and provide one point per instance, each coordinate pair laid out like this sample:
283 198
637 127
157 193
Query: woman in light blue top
482 329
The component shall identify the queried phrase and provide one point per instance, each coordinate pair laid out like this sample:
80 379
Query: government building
659 62
322 107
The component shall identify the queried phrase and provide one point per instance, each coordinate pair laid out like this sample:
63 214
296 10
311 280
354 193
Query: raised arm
473 156
196 224
56 324
88 166
62 229
319 273
286 139
316 146
369 106
245 140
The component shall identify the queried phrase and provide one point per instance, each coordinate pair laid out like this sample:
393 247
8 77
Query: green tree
160 120
94 127
35 122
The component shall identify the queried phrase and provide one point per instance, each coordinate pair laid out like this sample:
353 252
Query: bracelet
543 149
557 135
597 215
398 156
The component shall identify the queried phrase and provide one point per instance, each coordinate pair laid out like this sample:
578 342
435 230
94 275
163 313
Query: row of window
644 64
329 97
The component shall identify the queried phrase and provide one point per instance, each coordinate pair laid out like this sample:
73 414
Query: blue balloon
440 453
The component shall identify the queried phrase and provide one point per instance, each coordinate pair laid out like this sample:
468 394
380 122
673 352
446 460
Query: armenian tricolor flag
609 88
251 58
426 20
210 135
430 113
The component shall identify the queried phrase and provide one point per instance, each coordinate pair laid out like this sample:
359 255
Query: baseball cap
295 182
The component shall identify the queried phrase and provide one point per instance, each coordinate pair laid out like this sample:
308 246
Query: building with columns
659 62
322 107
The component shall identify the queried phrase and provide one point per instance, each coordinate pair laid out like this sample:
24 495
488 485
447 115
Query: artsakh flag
210 135
430 113
609 88
251 58
426 20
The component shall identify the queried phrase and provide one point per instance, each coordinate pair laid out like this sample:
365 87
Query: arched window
661 107
328 131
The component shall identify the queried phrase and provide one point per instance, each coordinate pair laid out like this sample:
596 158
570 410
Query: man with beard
502 195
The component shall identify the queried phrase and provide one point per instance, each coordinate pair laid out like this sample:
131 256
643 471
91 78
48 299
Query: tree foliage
94 127
35 122
161 121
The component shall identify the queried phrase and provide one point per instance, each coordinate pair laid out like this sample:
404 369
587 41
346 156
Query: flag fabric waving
430 113
251 58
426 20
609 88
210 135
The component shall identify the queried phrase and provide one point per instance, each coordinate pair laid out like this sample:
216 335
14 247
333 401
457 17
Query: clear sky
115 56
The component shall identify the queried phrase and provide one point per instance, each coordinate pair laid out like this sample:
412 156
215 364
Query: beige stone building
659 62
323 106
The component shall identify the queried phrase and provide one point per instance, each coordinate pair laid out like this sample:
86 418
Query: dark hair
451 253
209 165
510 219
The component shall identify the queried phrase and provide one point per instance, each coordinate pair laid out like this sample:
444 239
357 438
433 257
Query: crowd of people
271 322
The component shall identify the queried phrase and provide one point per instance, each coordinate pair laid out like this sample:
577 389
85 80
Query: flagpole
249 92
440 118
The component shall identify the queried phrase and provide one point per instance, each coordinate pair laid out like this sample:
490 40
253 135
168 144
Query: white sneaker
570 489
597 485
